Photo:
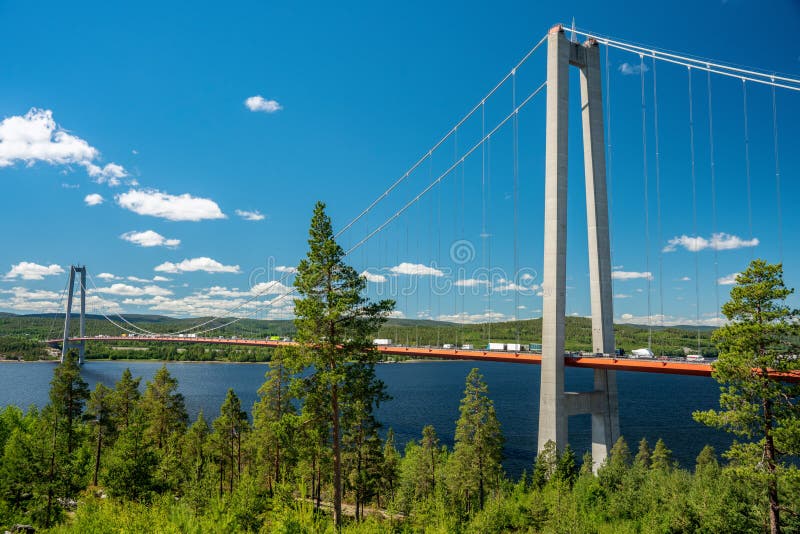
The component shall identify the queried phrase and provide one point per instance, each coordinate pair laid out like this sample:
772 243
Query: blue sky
178 153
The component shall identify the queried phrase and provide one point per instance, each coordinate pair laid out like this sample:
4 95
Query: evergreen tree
163 407
275 422
335 324
706 460
567 469
196 456
98 410
546 464
229 429
68 395
478 443
761 337
643 455
389 468
662 456
124 399
430 453
131 463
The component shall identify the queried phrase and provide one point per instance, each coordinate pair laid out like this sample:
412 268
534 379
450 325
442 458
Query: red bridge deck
618 364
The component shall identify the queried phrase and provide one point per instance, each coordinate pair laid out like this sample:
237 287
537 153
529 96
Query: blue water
650 405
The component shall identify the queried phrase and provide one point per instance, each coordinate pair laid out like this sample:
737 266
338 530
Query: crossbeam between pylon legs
556 405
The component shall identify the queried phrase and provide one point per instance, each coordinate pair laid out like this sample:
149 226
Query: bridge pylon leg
67 343
555 404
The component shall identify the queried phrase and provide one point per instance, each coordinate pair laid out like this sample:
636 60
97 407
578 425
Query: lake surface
429 392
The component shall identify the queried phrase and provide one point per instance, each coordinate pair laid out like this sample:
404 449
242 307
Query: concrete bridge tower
66 343
555 404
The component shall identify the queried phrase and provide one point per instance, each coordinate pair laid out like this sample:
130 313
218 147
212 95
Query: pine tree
761 336
68 395
662 456
478 447
335 324
706 460
98 410
275 421
124 399
643 455
163 408
390 468
229 429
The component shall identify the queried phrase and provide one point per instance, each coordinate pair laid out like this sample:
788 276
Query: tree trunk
772 484
97 455
337 458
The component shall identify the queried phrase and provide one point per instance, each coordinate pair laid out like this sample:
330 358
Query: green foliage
474 468
761 337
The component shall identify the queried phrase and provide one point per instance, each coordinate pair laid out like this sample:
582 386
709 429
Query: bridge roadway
669 367
594 362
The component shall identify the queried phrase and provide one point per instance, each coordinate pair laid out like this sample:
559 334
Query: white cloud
471 282
158 278
467 318
36 137
149 238
622 296
259 103
183 207
107 276
631 275
254 215
685 279
628 69
415 269
93 200
669 320
727 280
31 294
126 290
32 271
374 278
197 264
110 173
285 269
718 241
137 279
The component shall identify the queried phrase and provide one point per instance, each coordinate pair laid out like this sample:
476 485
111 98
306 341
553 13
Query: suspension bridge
469 158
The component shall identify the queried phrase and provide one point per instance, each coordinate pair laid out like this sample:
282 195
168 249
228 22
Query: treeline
121 460
670 341
177 352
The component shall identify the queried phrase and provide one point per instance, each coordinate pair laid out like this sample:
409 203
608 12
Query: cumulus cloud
259 103
285 269
669 320
472 318
126 290
32 271
93 200
415 269
197 264
35 137
107 276
374 277
727 280
471 282
629 69
158 278
110 173
149 238
137 279
183 207
718 241
254 215
631 275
